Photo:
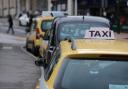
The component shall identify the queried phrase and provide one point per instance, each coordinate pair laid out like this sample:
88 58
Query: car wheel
28 49
36 51
20 23
27 24
33 49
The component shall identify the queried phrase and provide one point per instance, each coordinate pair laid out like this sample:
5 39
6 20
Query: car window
77 30
46 25
93 74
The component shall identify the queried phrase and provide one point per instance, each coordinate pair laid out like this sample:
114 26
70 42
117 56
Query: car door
52 44
50 67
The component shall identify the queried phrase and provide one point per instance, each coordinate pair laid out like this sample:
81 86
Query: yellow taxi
69 26
34 38
87 64
98 61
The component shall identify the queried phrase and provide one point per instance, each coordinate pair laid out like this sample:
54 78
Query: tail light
37 30
37 36
37 33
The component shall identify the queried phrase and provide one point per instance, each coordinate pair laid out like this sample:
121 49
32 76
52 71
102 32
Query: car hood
96 46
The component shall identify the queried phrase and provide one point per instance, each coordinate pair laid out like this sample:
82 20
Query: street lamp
102 7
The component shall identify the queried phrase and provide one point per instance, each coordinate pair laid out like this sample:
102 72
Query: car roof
82 18
43 18
53 13
46 17
96 46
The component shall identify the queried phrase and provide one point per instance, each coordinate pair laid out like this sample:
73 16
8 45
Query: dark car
68 28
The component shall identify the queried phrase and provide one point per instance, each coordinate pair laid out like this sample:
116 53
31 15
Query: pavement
19 30
17 66
12 39
4 22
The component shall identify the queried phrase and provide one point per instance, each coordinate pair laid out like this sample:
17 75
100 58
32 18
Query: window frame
42 24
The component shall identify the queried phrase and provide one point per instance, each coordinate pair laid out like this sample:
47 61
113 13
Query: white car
24 20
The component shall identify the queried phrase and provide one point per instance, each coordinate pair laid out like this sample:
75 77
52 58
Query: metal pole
69 9
102 7
76 7
118 17
17 8
8 6
2 8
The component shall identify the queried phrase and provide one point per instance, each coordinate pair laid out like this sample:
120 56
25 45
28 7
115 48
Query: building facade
15 7
73 7
94 7
8 7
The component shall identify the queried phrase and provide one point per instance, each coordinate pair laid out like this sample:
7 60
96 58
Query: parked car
24 20
70 27
34 38
87 64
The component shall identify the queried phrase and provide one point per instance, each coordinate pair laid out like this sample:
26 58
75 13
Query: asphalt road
19 31
17 67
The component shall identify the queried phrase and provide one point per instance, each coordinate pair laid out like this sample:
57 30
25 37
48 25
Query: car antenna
83 17
73 45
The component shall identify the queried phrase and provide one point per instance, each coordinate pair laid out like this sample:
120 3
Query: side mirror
40 62
49 53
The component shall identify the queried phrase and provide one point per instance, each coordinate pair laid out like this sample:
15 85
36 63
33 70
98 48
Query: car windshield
77 30
46 25
93 74
56 14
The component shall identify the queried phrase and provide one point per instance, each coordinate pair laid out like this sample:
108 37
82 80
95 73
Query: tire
27 46
27 24
20 23
33 49
36 51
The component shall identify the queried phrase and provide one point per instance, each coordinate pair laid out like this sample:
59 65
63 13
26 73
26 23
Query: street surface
17 67
19 31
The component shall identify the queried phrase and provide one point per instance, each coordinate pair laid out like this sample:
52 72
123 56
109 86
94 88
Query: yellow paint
41 19
43 48
88 49
32 35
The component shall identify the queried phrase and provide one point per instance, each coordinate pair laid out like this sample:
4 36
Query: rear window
76 30
46 25
93 74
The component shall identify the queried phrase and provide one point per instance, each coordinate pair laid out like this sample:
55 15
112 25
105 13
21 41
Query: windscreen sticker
99 33
112 86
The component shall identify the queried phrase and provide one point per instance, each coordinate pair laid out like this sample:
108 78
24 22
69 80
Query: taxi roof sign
99 33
